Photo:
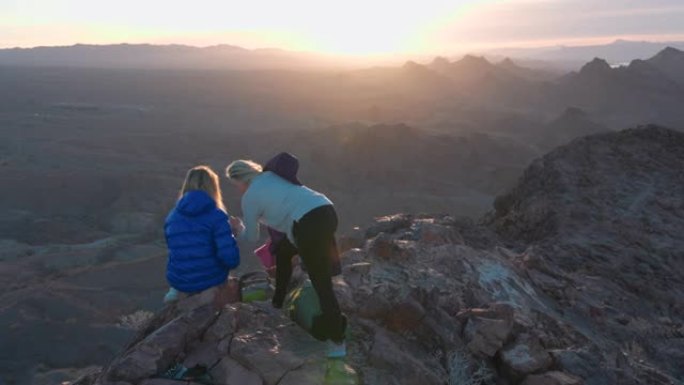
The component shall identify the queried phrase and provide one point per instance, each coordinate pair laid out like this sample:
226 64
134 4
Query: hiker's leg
283 275
315 239
332 321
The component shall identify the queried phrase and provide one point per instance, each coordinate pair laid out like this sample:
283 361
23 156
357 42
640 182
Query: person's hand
236 225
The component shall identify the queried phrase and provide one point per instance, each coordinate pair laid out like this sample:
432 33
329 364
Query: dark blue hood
195 203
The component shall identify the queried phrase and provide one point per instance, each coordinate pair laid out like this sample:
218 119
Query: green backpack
303 306
255 286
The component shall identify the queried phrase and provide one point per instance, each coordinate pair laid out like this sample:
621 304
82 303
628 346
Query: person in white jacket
309 220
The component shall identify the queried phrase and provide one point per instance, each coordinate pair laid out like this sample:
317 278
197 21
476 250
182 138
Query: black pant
314 235
284 250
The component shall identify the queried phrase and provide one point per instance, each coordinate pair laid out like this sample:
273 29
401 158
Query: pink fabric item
264 253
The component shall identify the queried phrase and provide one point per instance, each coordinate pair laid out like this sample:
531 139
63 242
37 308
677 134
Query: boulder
152 355
88 376
389 224
371 304
311 373
260 352
486 330
383 247
163 347
441 328
435 234
524 356
206 354
224 326
357 274
405 368
354 239
162 381
485 336
229 372
404 316
584 364
269 344
552 378
344 294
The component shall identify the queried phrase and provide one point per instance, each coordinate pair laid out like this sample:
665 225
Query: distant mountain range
441 93
617 52
642 91
141 56
225 56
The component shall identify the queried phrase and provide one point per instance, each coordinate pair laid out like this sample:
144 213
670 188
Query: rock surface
524 356
577 278
552 378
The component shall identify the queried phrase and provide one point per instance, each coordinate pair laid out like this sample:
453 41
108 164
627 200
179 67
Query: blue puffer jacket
201 245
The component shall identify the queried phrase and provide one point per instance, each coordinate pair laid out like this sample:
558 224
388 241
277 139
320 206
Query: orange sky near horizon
353 27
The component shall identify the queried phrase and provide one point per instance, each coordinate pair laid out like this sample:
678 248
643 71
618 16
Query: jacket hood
195 203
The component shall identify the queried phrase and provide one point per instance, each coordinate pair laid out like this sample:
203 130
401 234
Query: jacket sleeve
226 247
251 214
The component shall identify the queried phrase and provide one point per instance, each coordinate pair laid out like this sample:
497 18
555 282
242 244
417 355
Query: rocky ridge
575 278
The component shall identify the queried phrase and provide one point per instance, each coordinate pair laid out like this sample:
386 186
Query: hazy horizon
433 27
570 44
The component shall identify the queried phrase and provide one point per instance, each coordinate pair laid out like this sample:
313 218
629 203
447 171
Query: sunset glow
350 27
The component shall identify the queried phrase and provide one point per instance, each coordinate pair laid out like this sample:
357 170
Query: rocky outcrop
671 62
575 279
598 225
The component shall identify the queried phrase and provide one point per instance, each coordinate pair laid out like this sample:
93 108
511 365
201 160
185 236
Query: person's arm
251 213
226 247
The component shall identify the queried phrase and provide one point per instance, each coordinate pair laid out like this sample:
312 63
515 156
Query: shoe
336 350
171 296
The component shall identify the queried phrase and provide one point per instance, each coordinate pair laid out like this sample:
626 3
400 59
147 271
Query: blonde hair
203 178
243 170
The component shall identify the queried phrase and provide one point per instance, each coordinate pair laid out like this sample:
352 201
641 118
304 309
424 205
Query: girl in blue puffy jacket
202 249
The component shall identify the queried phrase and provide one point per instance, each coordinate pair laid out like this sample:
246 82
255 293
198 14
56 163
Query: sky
341 27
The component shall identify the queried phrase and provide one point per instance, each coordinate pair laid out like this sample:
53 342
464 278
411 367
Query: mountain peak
440 61
669 53
410 64
411 67
596 66
474 60
670 62
508 63
573 123
440 64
